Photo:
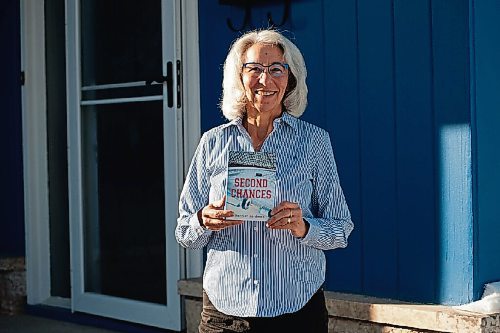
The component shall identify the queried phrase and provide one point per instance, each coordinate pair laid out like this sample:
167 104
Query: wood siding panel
344 269
486 108
415 151
215 40
378 155
307 34
453 151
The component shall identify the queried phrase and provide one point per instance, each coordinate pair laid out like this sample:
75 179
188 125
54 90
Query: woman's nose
264 77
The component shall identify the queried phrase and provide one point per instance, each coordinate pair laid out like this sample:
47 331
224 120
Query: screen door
123 158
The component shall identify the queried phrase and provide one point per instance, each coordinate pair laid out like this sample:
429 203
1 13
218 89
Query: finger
219 203
276 219
229 223
283 223
283 206
285 213
217 224
281 227
281 218
218 214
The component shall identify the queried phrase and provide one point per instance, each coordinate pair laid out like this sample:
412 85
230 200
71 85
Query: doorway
123 158
130 130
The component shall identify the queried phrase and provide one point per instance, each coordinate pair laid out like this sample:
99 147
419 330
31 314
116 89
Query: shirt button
255 282
255 255
255 228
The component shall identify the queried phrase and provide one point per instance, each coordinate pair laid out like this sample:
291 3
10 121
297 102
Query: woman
265 275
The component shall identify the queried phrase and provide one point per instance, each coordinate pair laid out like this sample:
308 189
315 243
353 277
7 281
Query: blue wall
408 91
11 176
389 79
486 108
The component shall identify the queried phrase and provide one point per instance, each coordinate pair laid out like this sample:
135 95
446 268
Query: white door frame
36 206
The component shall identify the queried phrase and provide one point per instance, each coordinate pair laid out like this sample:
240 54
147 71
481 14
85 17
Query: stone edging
12 285
410 317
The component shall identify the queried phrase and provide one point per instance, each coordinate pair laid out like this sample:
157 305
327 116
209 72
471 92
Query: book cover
251 185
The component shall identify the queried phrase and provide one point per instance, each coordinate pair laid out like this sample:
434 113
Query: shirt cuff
312 234
196 226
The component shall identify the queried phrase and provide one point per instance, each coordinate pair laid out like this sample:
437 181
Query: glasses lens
254 69
276 70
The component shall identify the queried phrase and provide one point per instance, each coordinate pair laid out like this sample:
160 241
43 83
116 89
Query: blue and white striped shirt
253 271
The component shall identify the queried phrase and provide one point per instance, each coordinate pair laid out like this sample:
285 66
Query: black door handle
169 80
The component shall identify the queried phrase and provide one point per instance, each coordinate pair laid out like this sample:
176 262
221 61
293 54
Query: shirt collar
285 118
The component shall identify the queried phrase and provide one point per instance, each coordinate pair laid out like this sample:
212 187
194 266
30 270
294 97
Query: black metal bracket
247 19
169 80
286 13
157 80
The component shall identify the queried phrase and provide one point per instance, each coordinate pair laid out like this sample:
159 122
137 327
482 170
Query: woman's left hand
288 215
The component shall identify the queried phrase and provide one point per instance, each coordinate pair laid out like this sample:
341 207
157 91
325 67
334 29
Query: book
251 185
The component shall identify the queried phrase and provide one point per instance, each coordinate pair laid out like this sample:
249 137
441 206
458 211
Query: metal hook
286 13
246 20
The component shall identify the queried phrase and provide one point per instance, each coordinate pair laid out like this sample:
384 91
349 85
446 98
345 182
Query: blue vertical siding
215 40
389 80
485 15
309 38
378 153
453 150
344 272
11 176
414 149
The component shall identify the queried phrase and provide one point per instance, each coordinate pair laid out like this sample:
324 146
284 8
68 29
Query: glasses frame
266 69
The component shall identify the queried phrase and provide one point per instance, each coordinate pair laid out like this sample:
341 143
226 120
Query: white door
123 63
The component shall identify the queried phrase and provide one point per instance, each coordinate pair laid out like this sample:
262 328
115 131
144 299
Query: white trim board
191 109
36 205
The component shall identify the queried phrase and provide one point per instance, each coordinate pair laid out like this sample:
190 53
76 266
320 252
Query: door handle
170 84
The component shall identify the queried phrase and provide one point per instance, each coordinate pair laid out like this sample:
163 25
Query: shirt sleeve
331 225
194 196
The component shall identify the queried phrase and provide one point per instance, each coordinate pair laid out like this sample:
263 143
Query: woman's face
264 92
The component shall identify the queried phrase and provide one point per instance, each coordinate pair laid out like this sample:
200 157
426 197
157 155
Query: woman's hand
288 215
213 217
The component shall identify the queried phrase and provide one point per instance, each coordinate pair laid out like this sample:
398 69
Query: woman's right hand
213 216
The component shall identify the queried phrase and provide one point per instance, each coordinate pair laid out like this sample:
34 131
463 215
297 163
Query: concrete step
351 313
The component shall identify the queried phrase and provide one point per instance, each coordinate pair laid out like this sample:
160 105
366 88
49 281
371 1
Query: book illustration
251 184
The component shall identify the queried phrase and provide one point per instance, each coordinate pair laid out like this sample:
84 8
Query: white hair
233 93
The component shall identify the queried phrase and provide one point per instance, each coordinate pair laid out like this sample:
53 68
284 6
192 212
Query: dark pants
312 318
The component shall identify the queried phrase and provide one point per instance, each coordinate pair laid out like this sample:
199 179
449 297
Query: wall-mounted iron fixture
247 19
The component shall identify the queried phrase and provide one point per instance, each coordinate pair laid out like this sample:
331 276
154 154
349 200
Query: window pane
124 195
57 148
121 41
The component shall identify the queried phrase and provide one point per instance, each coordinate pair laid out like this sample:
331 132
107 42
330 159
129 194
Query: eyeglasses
254 69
